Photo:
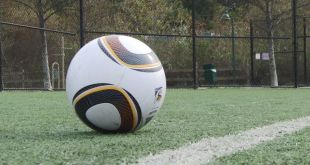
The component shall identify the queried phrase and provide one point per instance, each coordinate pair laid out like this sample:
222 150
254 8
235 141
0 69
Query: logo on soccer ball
158 93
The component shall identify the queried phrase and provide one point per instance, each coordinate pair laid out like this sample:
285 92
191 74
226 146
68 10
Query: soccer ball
116 83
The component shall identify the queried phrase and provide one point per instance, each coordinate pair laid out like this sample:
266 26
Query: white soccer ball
116 83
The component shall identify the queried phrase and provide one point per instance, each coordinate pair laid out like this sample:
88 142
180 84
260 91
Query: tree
145 16
276 12
205 12
267 7
44 9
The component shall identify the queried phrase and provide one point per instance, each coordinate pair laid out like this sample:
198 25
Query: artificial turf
40 127
290 149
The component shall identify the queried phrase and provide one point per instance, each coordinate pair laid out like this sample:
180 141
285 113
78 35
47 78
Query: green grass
290 149
40 127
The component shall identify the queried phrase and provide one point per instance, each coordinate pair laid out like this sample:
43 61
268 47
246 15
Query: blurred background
199 42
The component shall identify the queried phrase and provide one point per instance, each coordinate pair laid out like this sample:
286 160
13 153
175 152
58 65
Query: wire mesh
241 58
23 48
22 56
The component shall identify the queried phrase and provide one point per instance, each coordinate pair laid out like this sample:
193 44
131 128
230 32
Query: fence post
305 52
63 61
23 78
194 46
233 40
82 40
252 51
1 54
294 24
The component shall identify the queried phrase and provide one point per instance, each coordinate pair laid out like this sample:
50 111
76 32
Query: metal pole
82 39
190 36
1 54
36 28
294 24
63 61
305 52
233 50
23 78
252 51
194 46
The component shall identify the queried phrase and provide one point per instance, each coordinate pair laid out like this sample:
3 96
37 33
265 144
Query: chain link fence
230 51
25 43
22 63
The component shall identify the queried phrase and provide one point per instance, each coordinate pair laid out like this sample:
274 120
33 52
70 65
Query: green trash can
210 73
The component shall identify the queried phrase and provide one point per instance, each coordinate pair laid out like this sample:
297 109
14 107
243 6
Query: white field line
208 149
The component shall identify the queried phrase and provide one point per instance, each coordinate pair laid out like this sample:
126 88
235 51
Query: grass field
40 127
291 149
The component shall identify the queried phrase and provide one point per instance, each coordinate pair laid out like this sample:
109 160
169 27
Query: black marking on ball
106 51
113 97
137 108
129 57
87 88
